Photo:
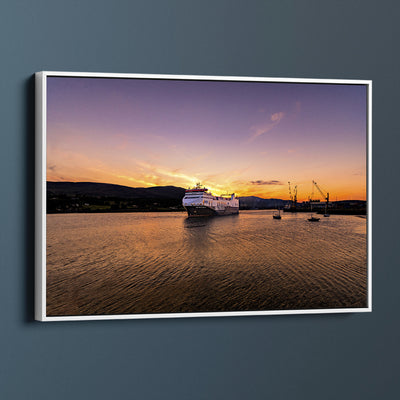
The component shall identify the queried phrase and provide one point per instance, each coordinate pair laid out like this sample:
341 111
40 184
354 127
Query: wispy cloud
272 182
274 120
157 170
276 117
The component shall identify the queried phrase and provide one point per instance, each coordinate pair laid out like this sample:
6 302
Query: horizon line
148 187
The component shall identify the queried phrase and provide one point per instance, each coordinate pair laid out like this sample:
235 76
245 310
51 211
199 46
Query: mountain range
107 190
94 189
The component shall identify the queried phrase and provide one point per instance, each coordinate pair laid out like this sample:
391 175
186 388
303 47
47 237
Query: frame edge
40 195
369 193
40 222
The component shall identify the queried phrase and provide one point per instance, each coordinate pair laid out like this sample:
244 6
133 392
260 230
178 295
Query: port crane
293 197
325 196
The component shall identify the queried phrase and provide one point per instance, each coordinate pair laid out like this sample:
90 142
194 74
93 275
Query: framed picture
189 196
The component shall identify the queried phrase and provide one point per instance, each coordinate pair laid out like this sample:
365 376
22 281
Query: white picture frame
41 79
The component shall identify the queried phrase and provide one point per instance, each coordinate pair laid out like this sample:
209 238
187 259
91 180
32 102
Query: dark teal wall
311 357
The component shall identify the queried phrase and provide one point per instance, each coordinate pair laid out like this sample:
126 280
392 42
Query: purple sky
247 137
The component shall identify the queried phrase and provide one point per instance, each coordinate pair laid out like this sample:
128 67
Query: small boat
277 215
312 218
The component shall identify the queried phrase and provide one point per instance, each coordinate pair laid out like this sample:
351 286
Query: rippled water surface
164 262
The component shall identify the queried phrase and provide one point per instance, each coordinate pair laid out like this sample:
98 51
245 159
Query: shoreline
357 214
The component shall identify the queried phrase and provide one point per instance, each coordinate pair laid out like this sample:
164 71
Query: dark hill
92 189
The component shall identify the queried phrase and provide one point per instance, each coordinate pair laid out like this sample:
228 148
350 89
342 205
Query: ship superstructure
200 202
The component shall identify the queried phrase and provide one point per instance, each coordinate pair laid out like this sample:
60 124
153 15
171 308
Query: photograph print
183 196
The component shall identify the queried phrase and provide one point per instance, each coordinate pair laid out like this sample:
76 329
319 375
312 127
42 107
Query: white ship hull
202 211
200 203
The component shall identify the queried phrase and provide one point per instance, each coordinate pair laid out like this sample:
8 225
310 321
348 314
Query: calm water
165 262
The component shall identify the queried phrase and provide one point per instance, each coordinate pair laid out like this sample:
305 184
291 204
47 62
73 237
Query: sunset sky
250 138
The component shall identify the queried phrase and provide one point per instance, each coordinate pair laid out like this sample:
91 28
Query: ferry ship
199 202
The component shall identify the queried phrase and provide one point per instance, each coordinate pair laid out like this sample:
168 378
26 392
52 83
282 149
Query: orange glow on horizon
240 189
